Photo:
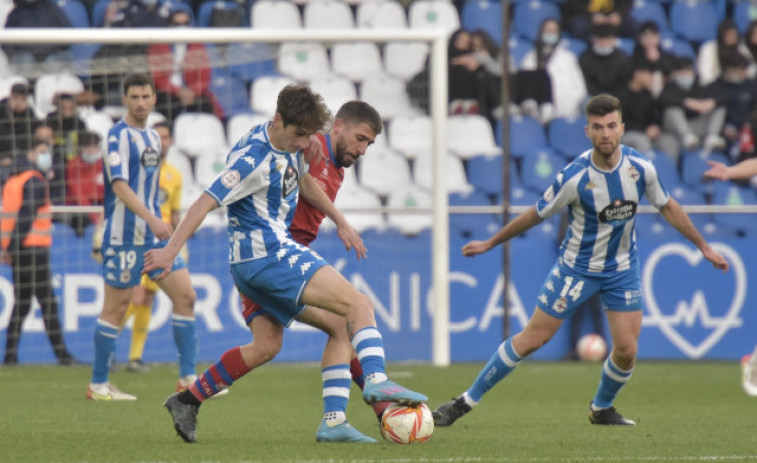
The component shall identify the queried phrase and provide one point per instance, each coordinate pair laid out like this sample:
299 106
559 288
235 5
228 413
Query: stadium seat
540 169
625 45
677 46
328 14
75 11
744 11
335 90
471 135
49 85
240 124
100 123
263 93
248 60
384 171
694 20
8 81
350 176
577 46
410 197
686 195
230 92
5 9
483 14
275 14
693 166
567 137
181 162
405 59
199 135
650 10
386 14
411 135
387 94
98 12
528 16
526 136
354 196
356 60
471 198
667 170
456 181
519 48
230 7
653 227
485 174
303 61
433 14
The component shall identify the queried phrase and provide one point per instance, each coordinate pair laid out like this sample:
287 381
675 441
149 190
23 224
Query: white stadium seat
328 14
335 90
264 91
356 61
275 14
303 61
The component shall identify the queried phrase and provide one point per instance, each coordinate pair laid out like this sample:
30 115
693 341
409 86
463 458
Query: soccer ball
403 424
591 348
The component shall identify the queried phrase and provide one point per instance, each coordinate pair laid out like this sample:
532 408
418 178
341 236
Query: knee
530 341
625 352
184 302
269 346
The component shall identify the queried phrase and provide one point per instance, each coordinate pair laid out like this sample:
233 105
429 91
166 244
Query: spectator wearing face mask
740 93
692 112
84 179
711 54
604 66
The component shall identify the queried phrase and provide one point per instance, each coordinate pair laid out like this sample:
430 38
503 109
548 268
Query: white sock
334 418
471 403
376 378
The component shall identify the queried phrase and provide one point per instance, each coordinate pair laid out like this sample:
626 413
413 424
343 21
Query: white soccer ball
403 424
591 348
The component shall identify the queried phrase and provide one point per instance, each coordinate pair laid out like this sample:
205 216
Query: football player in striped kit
133 226
601 189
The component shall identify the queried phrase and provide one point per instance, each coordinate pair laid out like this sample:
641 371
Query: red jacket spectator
85 184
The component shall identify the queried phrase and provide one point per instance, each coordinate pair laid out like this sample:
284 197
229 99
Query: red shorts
250 308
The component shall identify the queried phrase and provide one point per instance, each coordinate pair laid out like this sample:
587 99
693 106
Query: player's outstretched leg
449 412
184 417
378 388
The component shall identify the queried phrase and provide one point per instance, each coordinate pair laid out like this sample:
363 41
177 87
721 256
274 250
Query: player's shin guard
370 351
140 330
220 376
186 343
613 379
336 393
500 365
105 346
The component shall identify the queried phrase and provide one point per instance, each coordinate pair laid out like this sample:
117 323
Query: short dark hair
137 80
299 106
89 139
602 105
358 112
165 125
38 141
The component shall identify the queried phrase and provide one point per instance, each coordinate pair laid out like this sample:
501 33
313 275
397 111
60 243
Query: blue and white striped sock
500 365
613 379
105 347
186 343
336 393
370 351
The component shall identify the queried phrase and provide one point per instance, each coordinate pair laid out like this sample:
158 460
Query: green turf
686 412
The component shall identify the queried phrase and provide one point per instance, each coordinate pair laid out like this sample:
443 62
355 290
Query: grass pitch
686 411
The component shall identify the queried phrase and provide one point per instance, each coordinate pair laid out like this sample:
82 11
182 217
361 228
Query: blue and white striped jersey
259 186
133 156
602 208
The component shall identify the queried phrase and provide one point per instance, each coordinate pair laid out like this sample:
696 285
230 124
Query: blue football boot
342 432
389 391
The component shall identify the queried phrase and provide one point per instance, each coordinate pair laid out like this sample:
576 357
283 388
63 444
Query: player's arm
515 227
742 170
163 258
124 192
312 192
679 219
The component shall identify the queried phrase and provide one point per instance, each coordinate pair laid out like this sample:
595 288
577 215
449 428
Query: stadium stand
328 14
483 14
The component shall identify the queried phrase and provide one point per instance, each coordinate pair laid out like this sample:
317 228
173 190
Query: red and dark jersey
329 176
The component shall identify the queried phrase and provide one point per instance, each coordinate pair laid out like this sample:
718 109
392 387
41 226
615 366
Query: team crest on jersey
114 159
618 212
150 157
125 276
230 178
290 181
560 305
633 174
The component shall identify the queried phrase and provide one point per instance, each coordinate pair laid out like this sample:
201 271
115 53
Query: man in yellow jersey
143 296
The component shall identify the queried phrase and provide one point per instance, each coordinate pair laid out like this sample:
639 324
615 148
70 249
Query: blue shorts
565 290
122 265
276 282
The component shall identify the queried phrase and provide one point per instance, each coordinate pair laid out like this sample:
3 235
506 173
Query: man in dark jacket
37 14
605 67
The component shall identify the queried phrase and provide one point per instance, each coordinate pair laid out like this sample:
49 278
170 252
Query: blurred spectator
56 176
489 72
16 123
66 123
565 75
750 40
182 75
648 49
142 13
581 16
692 111
711 53
642 116
463 85
84 177
36 14
740 93
604 66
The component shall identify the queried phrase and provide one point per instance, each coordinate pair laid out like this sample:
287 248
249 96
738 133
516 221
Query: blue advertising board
692 311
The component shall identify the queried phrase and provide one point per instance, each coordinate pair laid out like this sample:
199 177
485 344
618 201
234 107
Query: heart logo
667 323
